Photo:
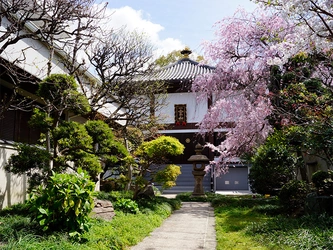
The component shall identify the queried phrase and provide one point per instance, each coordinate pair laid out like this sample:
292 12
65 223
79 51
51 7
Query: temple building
180 118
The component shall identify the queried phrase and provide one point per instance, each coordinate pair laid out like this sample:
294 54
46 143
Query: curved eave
183 70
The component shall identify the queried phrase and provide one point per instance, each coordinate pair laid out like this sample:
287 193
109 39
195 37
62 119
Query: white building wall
195 111
31 55
13 188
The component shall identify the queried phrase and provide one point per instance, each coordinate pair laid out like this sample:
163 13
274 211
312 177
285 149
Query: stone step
183 189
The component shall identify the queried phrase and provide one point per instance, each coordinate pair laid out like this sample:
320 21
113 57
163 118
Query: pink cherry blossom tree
315 15
314 30
245 47
248 49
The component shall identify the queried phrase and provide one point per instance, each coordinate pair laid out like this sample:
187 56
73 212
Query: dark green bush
113 196
273 165
21 209
158 203
323 181
319 204
174 203
245 201
293 196
187 196
65 203
32 161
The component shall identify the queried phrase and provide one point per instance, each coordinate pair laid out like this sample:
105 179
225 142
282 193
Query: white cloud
134 20
167 45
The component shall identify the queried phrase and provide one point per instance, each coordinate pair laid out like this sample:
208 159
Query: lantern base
198 187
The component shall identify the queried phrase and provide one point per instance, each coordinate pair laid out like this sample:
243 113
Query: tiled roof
184 69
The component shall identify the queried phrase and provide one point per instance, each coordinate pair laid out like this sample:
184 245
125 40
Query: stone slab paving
190 228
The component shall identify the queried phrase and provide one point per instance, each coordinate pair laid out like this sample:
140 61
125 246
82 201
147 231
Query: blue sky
174 24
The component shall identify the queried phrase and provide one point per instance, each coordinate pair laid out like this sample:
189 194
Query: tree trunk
303 168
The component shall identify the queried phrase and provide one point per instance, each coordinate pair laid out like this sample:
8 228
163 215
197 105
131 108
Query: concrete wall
13 188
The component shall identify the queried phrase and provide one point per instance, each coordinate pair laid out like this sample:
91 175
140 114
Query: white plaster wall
34 55
13 188
195 111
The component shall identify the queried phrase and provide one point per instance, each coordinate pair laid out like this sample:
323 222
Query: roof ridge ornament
186 52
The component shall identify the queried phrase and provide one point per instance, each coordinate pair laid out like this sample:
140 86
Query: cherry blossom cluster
313 20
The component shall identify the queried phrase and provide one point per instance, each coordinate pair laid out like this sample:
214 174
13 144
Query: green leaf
74 234
87 206
42 211
45 228
42 222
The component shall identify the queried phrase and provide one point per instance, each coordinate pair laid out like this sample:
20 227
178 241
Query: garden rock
319 204
103 209
147 192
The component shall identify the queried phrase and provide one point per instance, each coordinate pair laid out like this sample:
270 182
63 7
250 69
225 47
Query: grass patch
306 232
231 228
123 231
247 223
17 231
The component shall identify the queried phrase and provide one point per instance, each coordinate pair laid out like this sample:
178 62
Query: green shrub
65 203
21 209
158 203
32 161
107 185
168 176
293 196
187 196
113 196
153 155
60 90
160 147
126 206
273 165
114 184
323 182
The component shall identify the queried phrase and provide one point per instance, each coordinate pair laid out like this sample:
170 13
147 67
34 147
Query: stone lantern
199 162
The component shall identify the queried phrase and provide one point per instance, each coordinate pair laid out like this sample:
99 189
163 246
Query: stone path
190 228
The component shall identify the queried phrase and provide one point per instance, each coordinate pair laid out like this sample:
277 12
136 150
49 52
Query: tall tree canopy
65 144
314 31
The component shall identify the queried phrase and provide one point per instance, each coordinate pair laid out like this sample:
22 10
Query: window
14 127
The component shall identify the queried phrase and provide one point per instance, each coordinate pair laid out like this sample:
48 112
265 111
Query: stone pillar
199 162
